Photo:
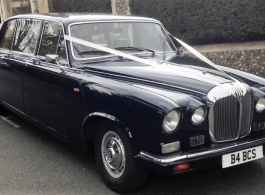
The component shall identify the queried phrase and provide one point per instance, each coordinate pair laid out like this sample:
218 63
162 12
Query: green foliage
207 21
95 6
50 5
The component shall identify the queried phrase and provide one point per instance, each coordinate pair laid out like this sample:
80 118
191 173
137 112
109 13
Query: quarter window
9 30
52 40
26 36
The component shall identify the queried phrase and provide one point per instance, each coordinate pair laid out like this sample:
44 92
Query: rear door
6 40
23 47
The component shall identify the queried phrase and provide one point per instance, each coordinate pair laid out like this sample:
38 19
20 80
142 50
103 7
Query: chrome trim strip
223 91
192 156
36 52
40 38
227 89
13 108
8 105
251 115
105 115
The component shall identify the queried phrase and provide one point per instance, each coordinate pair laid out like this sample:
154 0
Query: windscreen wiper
135 49
97 52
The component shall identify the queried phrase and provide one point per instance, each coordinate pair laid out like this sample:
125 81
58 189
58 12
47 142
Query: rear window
26 36
9 30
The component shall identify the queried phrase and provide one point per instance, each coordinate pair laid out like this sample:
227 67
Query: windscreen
120 35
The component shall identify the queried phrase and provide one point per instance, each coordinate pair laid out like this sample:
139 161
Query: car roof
77 17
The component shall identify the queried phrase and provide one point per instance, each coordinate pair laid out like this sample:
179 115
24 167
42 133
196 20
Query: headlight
171 121
198 116
260 106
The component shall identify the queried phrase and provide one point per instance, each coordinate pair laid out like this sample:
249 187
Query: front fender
250 79
141 119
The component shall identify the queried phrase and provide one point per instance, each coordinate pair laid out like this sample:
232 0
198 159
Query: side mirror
181 50
50 58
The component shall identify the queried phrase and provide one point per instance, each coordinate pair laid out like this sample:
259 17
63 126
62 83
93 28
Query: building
9 8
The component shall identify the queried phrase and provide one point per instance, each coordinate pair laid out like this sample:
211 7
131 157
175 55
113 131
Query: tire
129 176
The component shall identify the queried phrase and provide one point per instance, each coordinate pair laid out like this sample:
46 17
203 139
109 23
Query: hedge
96 6
207 21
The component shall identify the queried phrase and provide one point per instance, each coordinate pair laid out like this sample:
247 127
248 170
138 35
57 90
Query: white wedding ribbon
209 62
108 50
149 62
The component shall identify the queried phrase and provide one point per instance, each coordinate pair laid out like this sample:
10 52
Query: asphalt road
33 162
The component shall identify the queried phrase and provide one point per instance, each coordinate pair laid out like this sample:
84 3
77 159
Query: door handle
4 65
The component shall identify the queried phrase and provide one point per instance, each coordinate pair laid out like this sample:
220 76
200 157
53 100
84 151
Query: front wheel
115 159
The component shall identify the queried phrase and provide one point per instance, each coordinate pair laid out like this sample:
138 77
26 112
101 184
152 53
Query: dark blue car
121 85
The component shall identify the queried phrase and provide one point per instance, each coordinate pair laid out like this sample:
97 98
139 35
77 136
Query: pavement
34 162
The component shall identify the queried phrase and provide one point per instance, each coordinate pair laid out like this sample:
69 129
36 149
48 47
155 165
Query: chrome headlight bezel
261 102
173 114
203 116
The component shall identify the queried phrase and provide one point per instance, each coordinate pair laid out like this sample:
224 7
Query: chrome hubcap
113 154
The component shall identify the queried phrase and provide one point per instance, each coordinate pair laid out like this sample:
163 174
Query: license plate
242 156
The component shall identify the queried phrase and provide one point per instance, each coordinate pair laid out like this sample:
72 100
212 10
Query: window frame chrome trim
112 21
15 29
67 55
37 44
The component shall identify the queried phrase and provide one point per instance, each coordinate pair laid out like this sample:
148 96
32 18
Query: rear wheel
115 159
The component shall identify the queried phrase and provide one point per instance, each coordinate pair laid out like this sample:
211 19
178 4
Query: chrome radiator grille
246 110
226 115
231 112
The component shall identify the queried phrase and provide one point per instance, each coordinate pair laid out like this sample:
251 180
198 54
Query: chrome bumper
205 153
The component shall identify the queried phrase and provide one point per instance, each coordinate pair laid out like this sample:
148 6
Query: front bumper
206 157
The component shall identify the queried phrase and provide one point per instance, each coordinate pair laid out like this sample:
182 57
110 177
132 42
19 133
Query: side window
52 40
62 47
26 36
9 30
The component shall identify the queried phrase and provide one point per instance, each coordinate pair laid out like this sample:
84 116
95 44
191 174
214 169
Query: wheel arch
91 122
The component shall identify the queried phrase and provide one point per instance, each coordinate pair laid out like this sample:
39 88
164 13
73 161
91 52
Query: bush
96 6
207 21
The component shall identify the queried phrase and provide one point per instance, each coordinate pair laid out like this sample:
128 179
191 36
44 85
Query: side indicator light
182 167
197 140
77 90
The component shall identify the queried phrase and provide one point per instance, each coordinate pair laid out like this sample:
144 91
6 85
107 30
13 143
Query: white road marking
9 121
8 117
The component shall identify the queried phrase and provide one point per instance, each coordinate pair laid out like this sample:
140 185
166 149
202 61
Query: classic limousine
121 84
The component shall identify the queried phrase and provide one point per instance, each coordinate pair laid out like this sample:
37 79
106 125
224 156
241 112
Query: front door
45 84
